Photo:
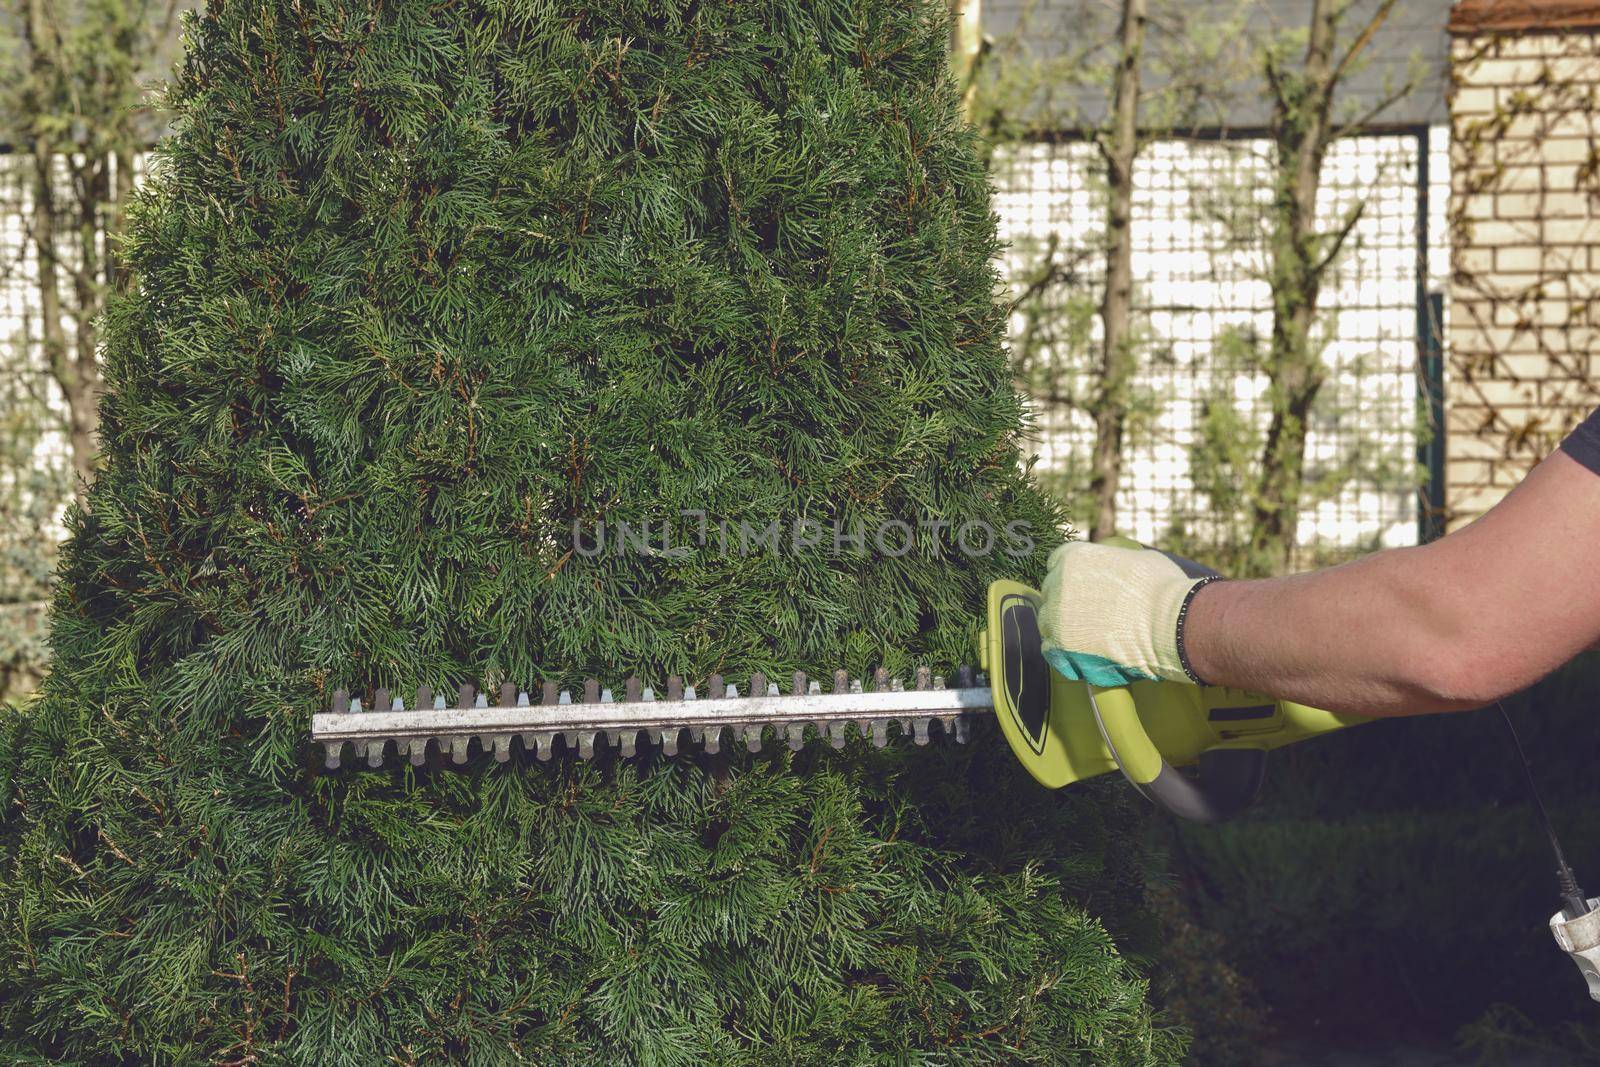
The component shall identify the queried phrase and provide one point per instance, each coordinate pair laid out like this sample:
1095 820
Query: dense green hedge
422 285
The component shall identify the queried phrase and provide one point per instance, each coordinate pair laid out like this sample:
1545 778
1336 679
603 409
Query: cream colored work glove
1111 615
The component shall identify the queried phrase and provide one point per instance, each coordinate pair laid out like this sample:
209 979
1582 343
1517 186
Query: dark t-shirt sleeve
1583 444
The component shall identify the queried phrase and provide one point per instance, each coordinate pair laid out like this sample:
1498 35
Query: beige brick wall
1523 345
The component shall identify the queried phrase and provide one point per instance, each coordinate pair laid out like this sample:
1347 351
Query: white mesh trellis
1198 269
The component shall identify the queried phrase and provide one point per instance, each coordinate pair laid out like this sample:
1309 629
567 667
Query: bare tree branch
1336 239
1367 117
1364 38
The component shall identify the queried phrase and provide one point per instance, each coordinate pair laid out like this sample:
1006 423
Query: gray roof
1411 41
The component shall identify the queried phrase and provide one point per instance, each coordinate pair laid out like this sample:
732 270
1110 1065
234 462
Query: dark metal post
1430 449
1430 370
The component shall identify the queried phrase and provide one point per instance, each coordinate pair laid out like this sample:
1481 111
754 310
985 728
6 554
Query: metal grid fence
1203 305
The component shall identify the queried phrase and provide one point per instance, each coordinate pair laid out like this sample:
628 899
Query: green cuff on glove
1096 670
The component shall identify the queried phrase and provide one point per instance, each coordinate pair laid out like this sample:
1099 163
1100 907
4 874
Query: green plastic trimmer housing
1065 731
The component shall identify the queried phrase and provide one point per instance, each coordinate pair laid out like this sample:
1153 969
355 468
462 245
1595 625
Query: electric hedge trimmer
1062 731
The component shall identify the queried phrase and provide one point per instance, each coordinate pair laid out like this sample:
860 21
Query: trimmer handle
1228 779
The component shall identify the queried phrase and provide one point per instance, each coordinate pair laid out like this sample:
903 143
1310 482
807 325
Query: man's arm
1446 626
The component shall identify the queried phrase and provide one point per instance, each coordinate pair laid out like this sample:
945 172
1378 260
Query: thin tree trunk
1301 257
72 365
1294 368
121 158
93 190
1120 149
65 366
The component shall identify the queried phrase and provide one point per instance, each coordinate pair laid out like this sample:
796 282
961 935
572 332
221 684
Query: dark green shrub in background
1394 883
420 286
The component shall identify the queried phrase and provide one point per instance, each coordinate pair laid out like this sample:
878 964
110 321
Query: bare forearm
1352 638
1446 626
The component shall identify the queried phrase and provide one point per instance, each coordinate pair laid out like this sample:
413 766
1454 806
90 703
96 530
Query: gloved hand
1112 615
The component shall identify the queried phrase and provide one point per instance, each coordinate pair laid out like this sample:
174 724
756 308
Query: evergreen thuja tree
430 300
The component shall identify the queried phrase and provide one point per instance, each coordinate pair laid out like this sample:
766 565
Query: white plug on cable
1580 939
1577 925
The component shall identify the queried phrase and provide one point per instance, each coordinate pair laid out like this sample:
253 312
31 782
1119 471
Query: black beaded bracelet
1183 613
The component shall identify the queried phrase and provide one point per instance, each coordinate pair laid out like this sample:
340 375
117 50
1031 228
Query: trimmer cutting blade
685 716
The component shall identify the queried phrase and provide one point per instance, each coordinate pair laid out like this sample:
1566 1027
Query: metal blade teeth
836 733
624 741
711 716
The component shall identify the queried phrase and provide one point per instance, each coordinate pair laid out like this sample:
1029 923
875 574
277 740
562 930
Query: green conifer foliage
420 286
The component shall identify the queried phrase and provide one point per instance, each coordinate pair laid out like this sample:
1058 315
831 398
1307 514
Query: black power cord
1573 901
